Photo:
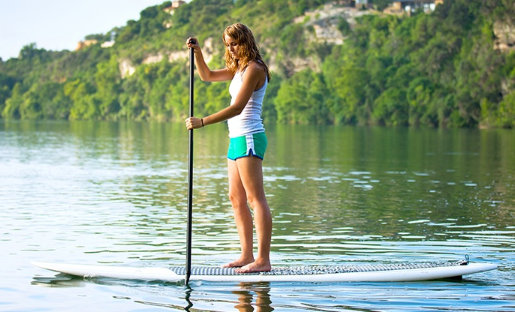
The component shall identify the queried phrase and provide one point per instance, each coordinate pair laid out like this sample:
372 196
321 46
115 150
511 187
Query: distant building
107 44
362 4
110 43
85 43
347 3
395 8
399 7
175 4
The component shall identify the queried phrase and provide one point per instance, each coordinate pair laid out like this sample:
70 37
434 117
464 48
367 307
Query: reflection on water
59 280
115 193
248 292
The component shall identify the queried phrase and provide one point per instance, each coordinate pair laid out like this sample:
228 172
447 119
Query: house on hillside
346 3
110 43
399 7
85 43
175 4
107 44
362 4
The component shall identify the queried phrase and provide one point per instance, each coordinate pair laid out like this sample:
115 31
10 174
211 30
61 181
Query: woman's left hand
194 123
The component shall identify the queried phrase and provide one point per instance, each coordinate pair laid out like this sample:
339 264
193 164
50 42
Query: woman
250 76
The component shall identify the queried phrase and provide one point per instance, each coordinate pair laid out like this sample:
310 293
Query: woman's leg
242 216
251 177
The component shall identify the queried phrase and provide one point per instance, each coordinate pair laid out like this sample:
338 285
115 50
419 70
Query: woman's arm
253 79
203 70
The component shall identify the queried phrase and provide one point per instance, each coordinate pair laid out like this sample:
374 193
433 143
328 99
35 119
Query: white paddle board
402 272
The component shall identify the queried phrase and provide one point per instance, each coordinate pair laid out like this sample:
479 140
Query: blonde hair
248 50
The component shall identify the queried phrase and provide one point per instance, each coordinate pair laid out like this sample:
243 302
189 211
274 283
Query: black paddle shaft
190 173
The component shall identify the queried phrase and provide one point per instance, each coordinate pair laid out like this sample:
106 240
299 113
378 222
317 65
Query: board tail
117 272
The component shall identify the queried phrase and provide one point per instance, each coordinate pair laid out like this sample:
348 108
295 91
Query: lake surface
115 193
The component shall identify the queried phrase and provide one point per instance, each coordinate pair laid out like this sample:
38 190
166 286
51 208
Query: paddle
190 173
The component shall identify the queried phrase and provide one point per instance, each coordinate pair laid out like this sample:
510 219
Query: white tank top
249 121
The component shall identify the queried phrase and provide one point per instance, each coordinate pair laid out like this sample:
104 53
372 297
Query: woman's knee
256 201
237 199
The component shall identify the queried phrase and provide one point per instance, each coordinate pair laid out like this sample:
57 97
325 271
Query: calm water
115 193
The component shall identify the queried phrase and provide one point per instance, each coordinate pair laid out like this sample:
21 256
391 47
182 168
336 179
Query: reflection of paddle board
359 273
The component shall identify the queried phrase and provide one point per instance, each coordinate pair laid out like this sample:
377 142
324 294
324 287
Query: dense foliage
438 69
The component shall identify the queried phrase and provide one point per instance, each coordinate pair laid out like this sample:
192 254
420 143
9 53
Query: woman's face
232 46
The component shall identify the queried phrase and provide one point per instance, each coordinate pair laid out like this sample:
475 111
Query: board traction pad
319 269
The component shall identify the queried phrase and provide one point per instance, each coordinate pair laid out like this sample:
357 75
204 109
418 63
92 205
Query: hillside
454 67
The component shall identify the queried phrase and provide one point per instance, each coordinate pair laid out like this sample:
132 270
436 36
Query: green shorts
247 145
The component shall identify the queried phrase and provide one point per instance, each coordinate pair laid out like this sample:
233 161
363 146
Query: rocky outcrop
126 68
177 55
207 52
151 59
504 36
320 26
326 19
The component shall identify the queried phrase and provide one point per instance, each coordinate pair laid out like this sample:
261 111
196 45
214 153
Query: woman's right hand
192 42
194 123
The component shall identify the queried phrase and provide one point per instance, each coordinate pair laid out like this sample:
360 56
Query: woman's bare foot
238 263
256 266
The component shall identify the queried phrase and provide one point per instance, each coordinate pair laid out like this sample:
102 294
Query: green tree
30 107
391 108
419 97
83 104
6 84
107 85
13 104
300 99
506 111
